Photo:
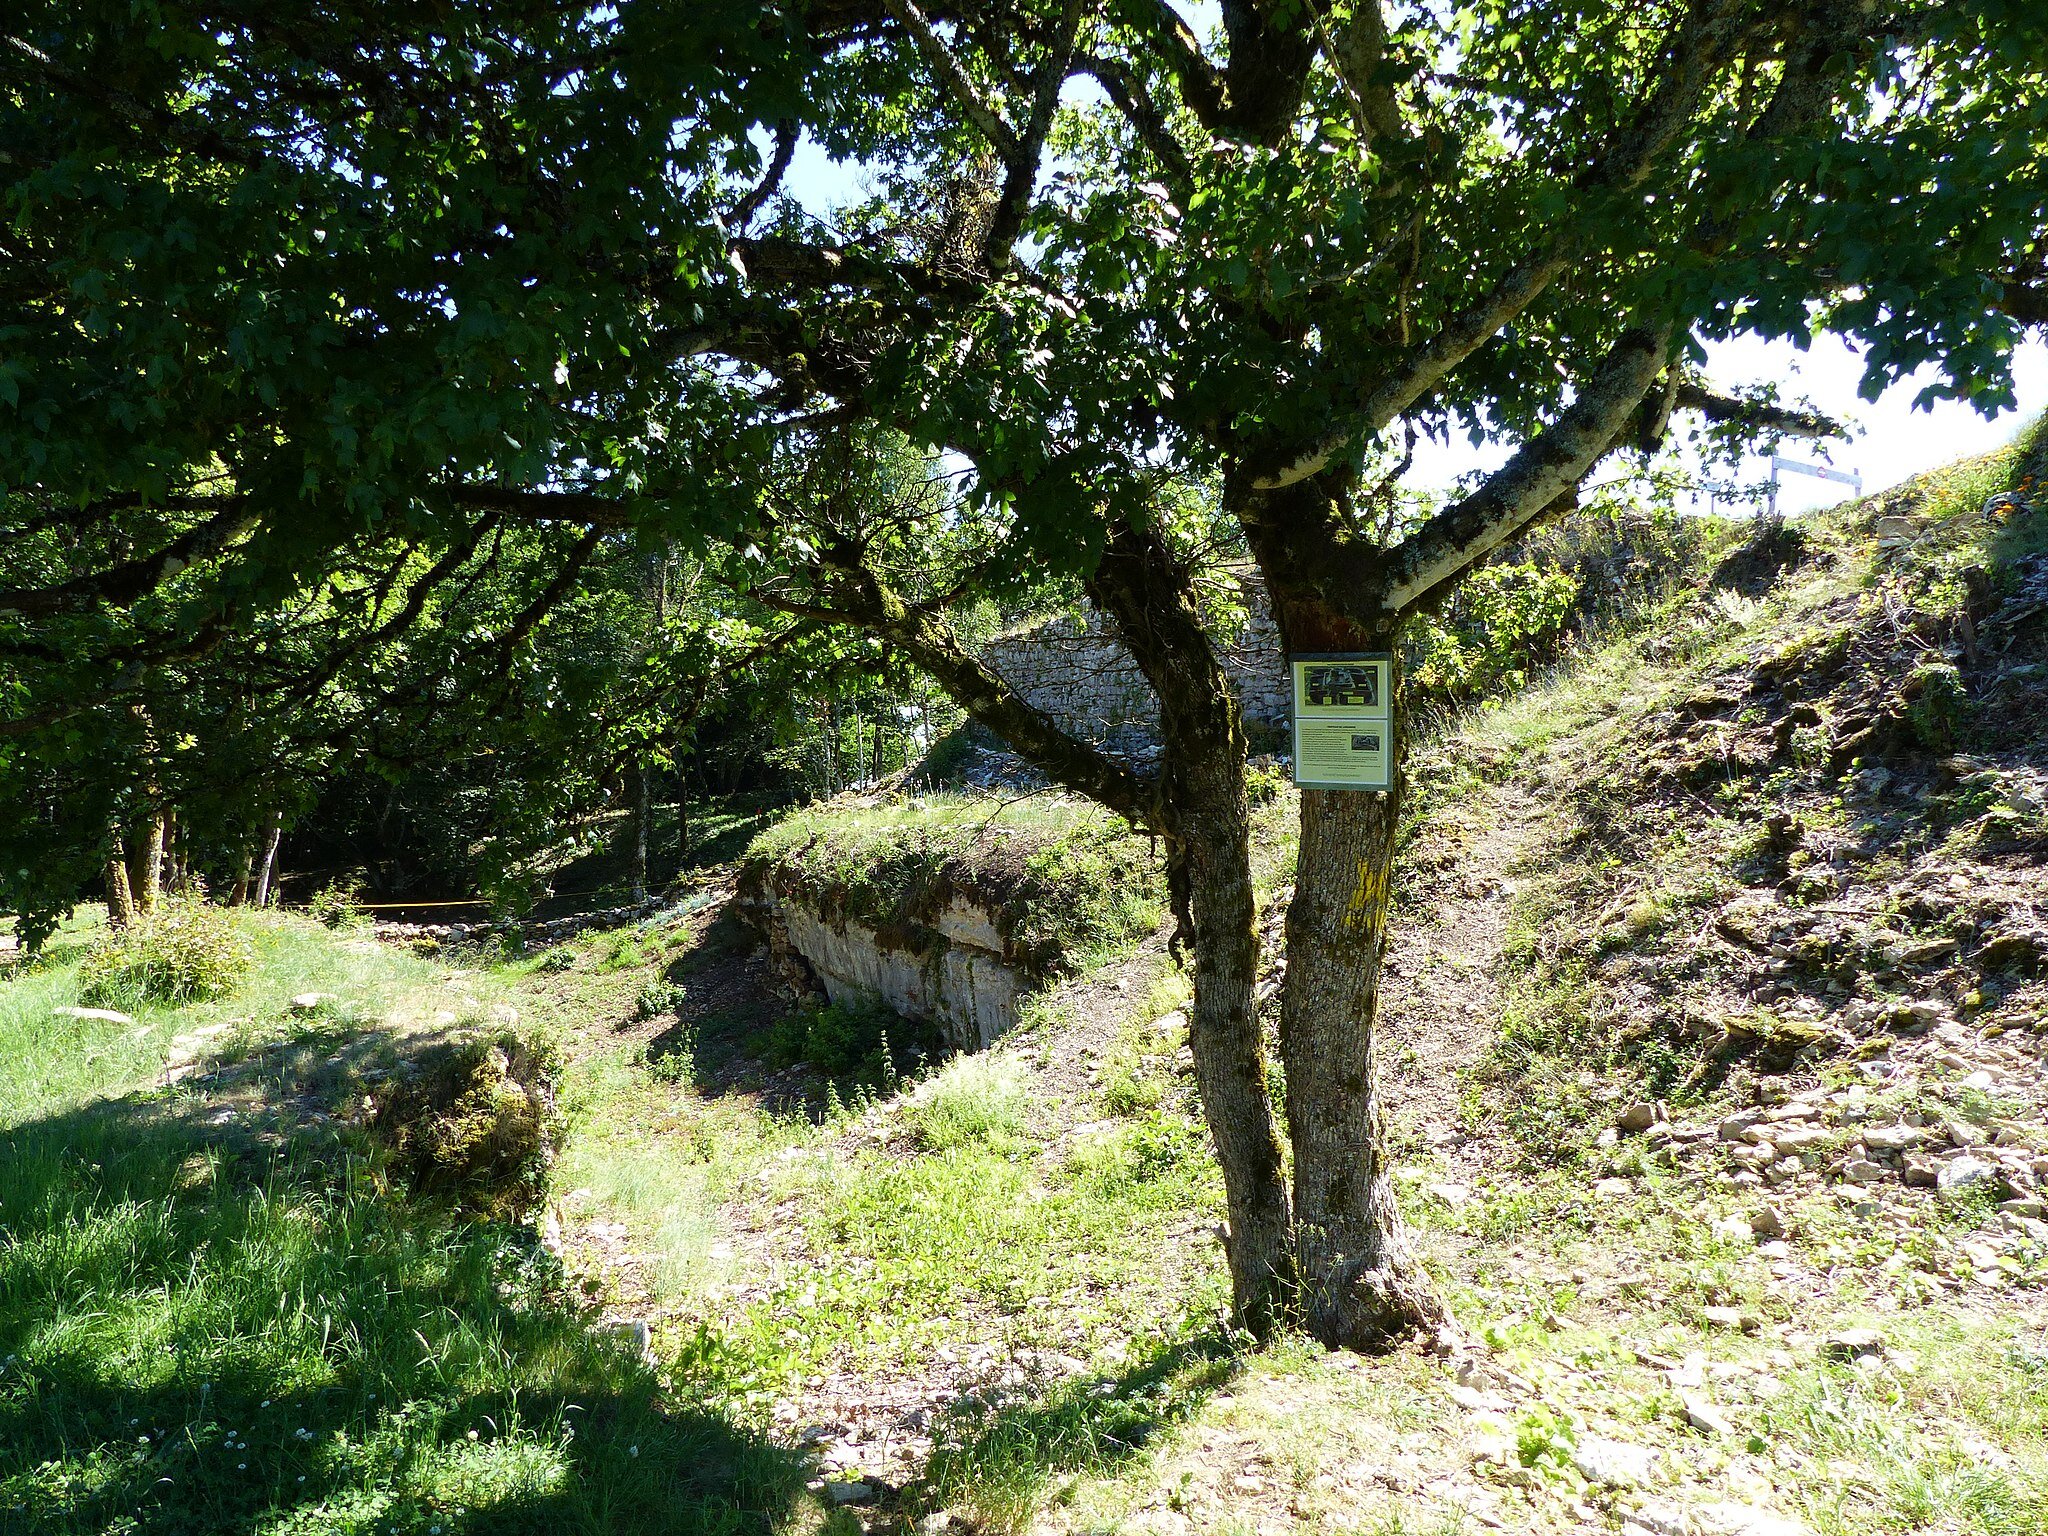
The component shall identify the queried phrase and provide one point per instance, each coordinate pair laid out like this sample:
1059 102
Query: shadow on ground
216 1317
1000 1462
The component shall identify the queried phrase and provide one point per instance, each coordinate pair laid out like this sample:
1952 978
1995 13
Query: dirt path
1442 1000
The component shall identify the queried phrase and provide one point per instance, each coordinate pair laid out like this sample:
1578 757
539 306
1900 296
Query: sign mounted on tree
1343 720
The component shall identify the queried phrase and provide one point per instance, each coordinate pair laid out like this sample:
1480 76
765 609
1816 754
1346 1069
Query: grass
954 1220
970 1102
979 1245
207 1331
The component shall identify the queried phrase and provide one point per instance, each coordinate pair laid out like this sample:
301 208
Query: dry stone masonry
1075 669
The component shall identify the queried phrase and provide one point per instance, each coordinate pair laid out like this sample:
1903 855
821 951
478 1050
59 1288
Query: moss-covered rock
473 1120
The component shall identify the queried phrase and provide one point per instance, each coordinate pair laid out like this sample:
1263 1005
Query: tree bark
240 895
643 812
1207 818
120 896
269 866
1361 1287
145 868
1214 853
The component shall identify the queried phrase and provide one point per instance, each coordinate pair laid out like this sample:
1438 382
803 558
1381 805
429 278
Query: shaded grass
206 1330
1000 1465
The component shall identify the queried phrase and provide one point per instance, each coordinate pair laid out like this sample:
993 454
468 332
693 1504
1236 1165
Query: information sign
1343 721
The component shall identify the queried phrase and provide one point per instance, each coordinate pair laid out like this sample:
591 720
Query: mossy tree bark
146 865
120 896
1361 1286
1206 816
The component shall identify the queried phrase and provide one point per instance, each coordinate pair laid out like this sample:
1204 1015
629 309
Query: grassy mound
1071 883
1801 825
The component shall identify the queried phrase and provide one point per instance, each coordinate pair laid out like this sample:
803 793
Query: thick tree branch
1699 46
786 135
1201 86
858 597
981 112
1760 415
595 509
23 60
126 583
1020 172
1547 467
2024 302
1121 84
1360 53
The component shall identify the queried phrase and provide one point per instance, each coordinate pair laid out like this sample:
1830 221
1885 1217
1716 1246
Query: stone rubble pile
531 933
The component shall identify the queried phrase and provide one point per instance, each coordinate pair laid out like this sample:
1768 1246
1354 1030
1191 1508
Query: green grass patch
208 1326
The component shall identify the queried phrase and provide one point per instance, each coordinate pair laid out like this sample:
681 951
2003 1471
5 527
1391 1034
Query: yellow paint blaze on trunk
1368 897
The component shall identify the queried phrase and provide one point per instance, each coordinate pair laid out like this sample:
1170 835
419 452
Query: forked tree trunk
1361 1286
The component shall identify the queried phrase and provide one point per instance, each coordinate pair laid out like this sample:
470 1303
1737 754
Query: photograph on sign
1343 722
1343 687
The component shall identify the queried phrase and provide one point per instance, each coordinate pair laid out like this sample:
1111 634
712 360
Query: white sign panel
1343 721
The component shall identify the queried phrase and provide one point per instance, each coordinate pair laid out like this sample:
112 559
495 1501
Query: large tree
280 276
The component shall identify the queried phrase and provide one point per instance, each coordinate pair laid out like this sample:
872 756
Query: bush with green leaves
1504 621
859 1040
338 904
1937 704
184 951
656 998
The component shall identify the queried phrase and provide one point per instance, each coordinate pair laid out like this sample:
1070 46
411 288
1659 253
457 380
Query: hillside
1718 1020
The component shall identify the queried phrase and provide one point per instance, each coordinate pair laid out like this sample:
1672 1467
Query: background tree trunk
240 895
269 865
120 896
682 815
146 867
643 812
1360 1284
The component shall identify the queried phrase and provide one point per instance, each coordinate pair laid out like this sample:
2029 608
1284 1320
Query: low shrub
946 761
860 1041
656 998
185 951
1126 1091
473 1120
972 1102
338 904
1938 704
